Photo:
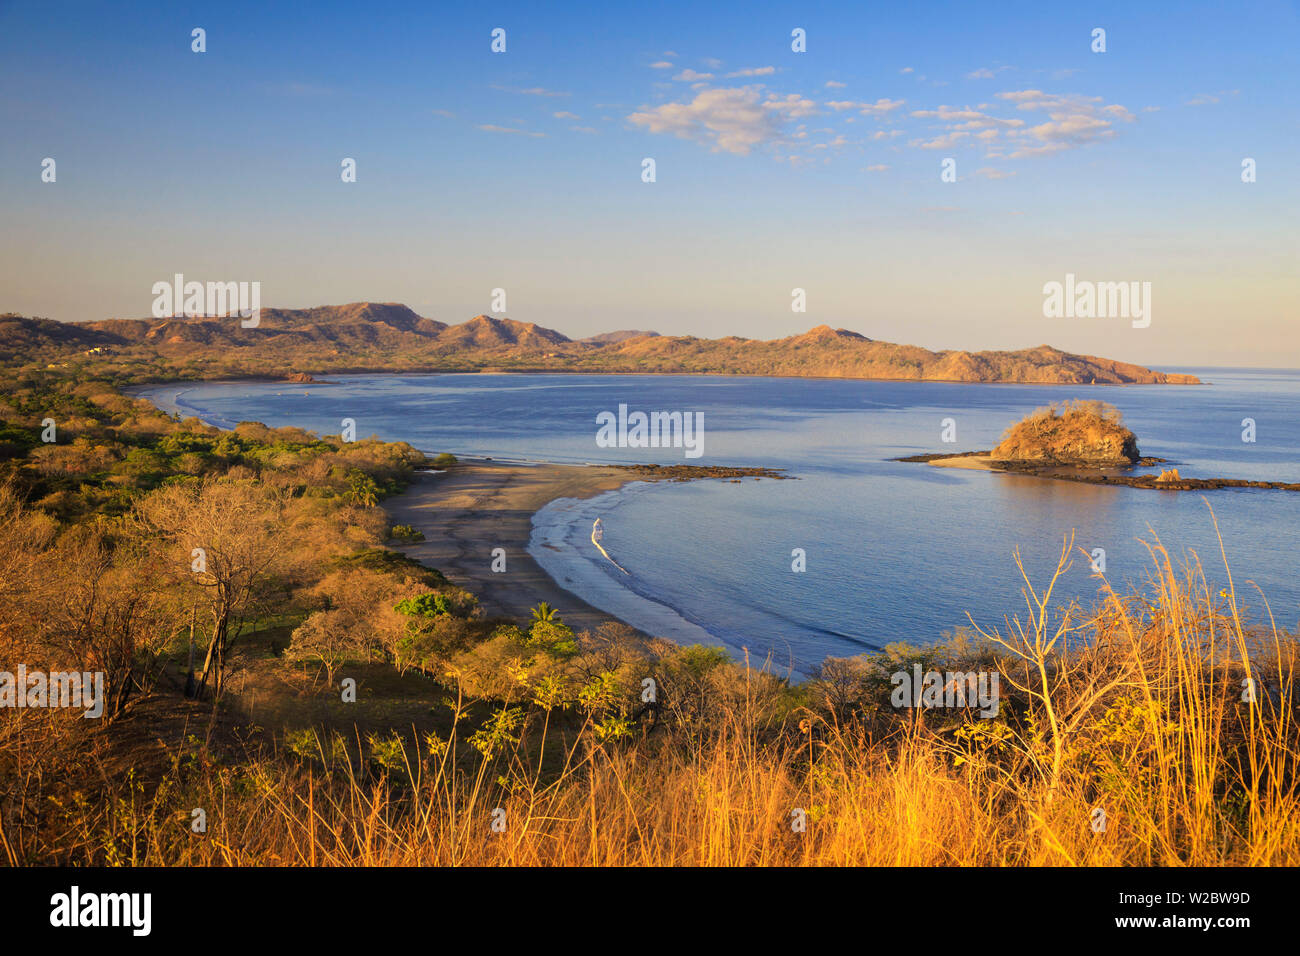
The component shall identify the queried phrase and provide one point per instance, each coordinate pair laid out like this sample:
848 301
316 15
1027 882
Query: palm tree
544 612
362 489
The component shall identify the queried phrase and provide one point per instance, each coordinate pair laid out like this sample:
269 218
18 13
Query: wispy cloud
565 114
986 73
944 141
835 85
879 108
967 119
1073 121
1206 99
530 91
732 120
882 106
690 76
753 71
491 128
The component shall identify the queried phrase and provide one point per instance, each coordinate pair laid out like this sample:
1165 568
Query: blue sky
818 170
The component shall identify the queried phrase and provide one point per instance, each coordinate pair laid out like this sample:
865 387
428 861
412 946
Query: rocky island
1082 441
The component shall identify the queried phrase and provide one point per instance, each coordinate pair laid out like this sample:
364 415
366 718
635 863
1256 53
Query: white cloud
661 65
565 114
882 106
835 85
732 120
690 76
906 69
753 71
949 113
836 143
446 113
944 141
984 73
1073 121
988 172
877 168
965 119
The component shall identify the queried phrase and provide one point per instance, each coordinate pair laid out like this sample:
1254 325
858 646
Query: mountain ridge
388 335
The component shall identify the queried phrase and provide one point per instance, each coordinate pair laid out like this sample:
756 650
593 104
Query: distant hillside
390 336
613 338
25 340
482 333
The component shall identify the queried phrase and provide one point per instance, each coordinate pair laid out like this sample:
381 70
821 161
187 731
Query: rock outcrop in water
1070 433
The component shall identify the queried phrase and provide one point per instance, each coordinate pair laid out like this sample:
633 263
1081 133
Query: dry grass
1135 707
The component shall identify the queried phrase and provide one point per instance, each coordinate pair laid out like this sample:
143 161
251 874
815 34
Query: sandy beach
971 462
479 505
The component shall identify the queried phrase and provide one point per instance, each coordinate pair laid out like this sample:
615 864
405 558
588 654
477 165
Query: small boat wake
597 533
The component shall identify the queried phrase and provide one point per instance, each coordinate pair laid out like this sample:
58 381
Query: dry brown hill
388 335
485 332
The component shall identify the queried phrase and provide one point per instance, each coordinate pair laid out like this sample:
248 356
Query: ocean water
894 551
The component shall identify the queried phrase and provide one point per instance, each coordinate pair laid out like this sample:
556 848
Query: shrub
404 532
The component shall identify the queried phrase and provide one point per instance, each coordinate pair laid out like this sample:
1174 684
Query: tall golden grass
1133 708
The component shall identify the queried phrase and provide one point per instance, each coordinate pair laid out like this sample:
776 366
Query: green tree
362 489
544 612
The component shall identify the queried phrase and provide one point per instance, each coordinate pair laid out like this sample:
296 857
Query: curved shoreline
485 503
559 544
478 506
533 512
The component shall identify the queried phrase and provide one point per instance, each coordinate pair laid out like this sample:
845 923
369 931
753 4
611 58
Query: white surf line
597 529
